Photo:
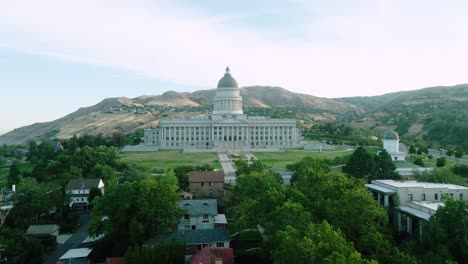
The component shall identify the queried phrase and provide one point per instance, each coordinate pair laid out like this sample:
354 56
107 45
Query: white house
78 190
416 200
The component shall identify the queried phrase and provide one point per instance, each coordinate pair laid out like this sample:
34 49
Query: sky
59 55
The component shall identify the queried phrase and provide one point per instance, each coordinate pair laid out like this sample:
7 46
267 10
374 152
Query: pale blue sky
59 55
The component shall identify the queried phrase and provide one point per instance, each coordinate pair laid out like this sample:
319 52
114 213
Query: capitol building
226 129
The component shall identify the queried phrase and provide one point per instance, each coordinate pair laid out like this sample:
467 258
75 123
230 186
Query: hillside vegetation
436 114
125 115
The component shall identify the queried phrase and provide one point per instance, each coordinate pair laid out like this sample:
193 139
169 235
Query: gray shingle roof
75 184
42 229
199 236
199 207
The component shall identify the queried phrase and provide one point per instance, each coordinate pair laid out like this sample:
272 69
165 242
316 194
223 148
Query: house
200 226
78 190
77 255
417 201
211 255
200 214
47 234
43 230
206 183
195 240
56 145
19 152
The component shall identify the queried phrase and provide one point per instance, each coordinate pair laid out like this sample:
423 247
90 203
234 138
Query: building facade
226 128
417 201
206 183
78 191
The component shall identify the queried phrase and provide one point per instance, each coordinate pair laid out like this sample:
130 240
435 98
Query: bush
441 162
419 161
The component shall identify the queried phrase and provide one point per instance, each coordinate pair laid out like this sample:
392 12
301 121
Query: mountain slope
437 114
125 115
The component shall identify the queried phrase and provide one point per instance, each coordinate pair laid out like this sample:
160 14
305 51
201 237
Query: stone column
386 200
399 221
379 199
409 223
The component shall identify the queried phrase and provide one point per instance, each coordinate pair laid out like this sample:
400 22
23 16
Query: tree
136 210
33 200
360 164
459 152
93 193
412 149
445 237
441 162
19 249
319 243
385 168
14 174
250 206
419 161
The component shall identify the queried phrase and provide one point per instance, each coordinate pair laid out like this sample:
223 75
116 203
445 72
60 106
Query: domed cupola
227 81
227 100
390 134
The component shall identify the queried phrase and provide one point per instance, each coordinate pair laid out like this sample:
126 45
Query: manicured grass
169 159
281 159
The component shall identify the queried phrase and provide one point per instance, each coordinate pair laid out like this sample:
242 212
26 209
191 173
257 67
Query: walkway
228 168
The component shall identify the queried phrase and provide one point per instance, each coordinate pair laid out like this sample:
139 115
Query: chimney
13 188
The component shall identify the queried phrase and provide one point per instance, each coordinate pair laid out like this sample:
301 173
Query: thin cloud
342 49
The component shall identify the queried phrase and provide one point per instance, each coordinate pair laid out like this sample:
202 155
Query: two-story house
78 191
206 183
414 201
201 225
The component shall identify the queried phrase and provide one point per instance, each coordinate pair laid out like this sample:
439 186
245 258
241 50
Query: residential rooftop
200 206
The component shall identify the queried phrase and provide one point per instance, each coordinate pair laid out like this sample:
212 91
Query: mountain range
416 113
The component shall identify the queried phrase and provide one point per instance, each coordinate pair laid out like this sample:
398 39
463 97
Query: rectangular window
202 184
410 197
219 244
206 218
210 184
423 197
436 197
461 196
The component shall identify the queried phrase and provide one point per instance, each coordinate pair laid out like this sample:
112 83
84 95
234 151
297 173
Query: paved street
437 153
73 242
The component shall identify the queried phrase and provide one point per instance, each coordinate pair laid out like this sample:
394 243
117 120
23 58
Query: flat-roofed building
417 201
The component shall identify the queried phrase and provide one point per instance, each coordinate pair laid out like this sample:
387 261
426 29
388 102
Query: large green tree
318 243
361 164
14 174
384 167
136 210
445 237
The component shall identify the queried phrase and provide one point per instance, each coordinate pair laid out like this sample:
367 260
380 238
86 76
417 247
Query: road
73 242
437 153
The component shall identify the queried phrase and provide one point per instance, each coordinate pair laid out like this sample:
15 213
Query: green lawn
281 159
169 159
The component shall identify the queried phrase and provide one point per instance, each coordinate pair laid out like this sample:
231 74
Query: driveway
73 242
